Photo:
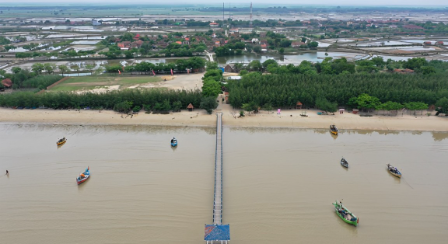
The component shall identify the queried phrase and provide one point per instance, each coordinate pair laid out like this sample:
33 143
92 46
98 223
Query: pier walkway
217 232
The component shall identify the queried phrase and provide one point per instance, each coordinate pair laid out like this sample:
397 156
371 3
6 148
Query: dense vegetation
122 101
342 66
22 78
179 66
285 90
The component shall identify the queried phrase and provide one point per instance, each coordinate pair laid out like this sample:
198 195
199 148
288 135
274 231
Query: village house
439 43
413 27
214 25
7 83
403 71
230 68
297 44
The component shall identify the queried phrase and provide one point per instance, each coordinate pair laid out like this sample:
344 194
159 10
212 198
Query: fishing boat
394 171
174 142
344 163
333 129
83 176
61 141
345 214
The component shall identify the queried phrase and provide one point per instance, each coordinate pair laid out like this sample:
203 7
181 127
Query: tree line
121 101
285 90
180 66
23 78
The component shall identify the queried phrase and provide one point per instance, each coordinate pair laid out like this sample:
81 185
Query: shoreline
199 118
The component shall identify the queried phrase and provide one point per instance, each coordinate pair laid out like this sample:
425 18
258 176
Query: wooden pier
217 232
217 203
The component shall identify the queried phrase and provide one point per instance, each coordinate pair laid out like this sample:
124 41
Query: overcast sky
238 2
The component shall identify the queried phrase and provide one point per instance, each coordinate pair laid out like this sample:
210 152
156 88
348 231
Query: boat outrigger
333 130
345 214
174 142
83 176
344 162
61 141
394 171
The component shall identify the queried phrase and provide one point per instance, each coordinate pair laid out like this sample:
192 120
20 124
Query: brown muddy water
278 185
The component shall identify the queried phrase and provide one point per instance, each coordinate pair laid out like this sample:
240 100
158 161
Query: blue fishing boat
174 142
83 176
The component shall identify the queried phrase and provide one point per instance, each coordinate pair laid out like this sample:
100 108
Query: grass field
95 82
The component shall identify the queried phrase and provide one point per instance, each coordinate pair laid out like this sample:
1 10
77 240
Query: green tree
415 63
38 68
63 69
365 101
212 66
255 65
75 67
249 107
123 107
325 105
211 88
313 44
16 70
208 103
90 67
442 105
391 106
378 61
268 62
427 70
281 51
177 105
49 68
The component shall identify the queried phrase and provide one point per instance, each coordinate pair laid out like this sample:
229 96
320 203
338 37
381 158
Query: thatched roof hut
190 107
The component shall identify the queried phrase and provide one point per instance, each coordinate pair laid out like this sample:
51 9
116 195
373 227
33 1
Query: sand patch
100 90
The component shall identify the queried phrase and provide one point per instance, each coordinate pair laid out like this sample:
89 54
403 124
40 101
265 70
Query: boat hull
61 143
86 174
395 174
333 130
355 222
344 164
83 180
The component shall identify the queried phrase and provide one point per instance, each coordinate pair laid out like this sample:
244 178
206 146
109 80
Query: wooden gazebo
299 105
190 107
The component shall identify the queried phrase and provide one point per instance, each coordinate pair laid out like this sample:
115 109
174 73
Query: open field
97 82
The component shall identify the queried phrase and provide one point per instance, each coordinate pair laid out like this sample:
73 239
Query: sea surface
278 185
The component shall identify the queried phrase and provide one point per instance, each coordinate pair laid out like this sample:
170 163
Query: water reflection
439 136
96 129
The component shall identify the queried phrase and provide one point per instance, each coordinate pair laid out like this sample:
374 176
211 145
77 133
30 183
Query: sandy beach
198 117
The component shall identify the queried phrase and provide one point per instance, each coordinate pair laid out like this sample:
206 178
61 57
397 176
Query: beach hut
299 105
190 107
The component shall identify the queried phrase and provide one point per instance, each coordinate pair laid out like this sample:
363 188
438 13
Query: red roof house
7 83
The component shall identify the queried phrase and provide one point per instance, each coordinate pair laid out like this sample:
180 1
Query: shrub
136 109
123 107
